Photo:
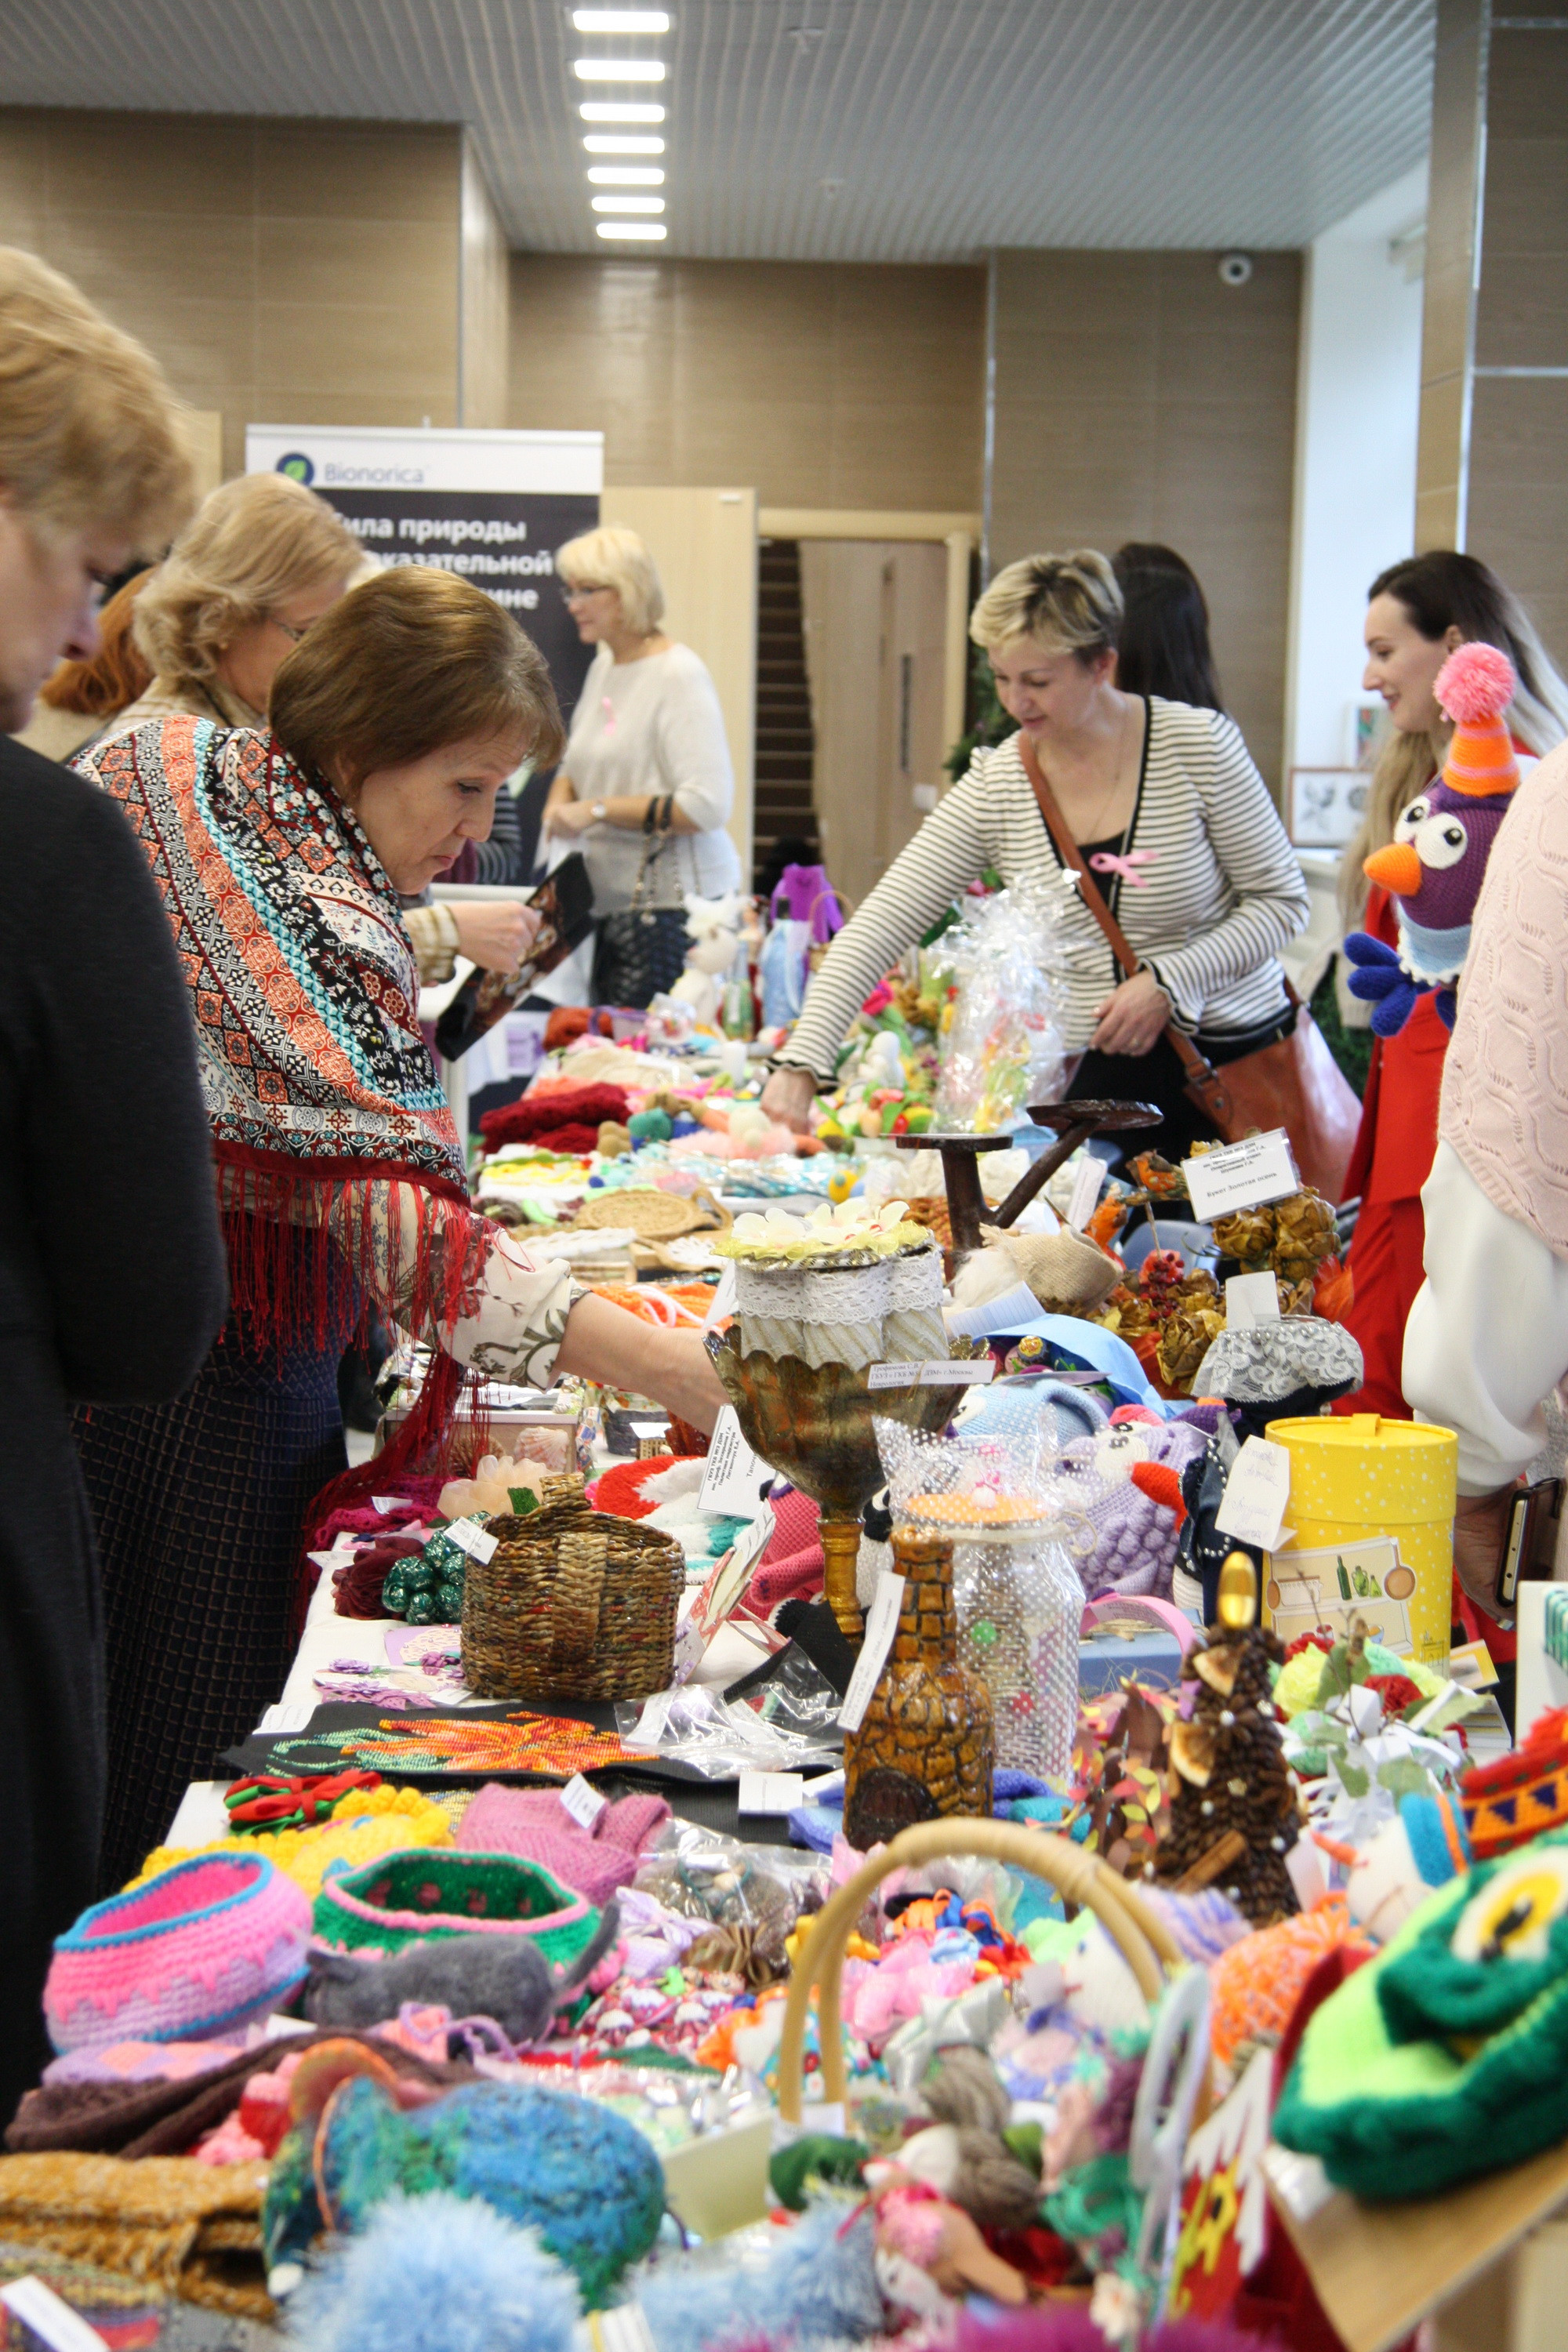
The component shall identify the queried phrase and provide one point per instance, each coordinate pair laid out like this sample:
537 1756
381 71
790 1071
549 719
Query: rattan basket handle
1144 1940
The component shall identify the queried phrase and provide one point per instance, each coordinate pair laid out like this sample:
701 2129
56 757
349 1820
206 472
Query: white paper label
935 1372
733 1480
385 1503
881 1624
583 1803
1256 1494
649 1728
623 2329
650 1428
1250 1299
38 2307
723 1299
1241 1175
477 1541
771 1792
1088 1178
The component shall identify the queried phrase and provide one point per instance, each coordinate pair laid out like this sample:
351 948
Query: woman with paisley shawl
280 858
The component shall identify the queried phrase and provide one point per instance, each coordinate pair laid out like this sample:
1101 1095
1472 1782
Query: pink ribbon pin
1106 861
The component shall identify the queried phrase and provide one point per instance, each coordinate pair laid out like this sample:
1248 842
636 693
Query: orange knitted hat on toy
1475 687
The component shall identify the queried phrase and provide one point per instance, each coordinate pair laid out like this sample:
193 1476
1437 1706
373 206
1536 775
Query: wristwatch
597 811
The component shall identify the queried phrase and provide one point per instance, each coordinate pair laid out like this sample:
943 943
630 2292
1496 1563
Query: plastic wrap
790 1724
1003 1047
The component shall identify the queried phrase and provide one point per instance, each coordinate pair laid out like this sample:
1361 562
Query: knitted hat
534 1825
201 1950
1475 687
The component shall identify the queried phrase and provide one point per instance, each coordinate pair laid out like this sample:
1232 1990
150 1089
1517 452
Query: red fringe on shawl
304 1224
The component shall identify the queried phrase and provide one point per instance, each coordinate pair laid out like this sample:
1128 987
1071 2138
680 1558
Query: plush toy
1138 1515
1435 865
713 926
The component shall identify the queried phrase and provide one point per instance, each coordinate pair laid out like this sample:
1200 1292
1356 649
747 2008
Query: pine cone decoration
1229 1775
1184 1342
1247 1235
1305 1234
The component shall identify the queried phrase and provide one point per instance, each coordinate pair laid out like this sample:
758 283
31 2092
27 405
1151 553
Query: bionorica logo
298 466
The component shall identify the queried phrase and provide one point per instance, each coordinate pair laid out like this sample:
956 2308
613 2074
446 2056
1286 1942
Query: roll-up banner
491 505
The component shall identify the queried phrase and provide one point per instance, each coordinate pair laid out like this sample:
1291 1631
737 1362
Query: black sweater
112 1290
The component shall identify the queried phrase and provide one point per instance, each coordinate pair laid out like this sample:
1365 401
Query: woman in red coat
1417 612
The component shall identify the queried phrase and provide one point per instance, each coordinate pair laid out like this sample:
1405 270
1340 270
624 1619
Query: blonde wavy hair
1439 591
90 434
252 543
615 558
1071 603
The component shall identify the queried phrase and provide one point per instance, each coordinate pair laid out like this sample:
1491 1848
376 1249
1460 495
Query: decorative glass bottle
925 1745
1018 1602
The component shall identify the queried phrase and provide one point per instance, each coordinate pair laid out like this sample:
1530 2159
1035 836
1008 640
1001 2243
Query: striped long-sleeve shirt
1224 889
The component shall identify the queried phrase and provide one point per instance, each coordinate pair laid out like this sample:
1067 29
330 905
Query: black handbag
641 950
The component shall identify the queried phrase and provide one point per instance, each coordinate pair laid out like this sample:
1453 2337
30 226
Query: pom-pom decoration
436 2274
1476 682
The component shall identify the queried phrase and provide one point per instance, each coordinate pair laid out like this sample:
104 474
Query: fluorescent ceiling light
628 203
618 68
623 146
620 20
606 111
626 176
632 228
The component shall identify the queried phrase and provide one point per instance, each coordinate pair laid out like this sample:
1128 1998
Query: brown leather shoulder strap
1193 1063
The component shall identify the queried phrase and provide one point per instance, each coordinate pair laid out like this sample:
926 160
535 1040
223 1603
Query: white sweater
1224 889
653 726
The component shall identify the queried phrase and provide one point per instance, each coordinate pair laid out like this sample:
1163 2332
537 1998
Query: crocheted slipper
402 1899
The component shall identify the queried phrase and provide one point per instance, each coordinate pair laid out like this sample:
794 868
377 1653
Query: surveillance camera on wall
1234 269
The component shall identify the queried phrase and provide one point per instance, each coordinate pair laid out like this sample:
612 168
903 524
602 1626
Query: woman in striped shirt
1172 819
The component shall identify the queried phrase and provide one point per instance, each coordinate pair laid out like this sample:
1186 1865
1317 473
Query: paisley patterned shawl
302 978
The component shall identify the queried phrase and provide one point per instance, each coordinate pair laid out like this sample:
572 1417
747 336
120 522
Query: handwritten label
1241 1175
1088 1178
723 1300
771 1792
881 1624
935 1372
477 1541
1256 1494
583 1802
1251 1300
733 1481
53 2322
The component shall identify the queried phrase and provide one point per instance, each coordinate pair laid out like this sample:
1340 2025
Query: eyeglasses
288 628
585 588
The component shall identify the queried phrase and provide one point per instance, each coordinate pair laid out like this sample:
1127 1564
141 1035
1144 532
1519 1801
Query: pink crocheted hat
534 1823
201 1950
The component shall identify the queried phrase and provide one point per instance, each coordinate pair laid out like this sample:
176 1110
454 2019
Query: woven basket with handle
1146 1942
573 1603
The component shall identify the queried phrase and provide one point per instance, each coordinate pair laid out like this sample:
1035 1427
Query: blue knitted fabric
436 2274
818 2286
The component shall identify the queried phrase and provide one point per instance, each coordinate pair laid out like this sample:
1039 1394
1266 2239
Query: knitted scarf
304 992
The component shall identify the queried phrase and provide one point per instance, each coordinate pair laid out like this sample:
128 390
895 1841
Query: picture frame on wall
1323 806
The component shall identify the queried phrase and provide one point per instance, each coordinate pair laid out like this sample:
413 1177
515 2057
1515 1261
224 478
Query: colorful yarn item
1509 1801
363 1828
553 1745
272 1801
200 1949
407 1898
436 2274
542 1115
1255 1985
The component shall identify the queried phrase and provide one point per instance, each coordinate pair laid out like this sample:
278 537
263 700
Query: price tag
1256 1494
1241 1175
582 1802
1251 1300
53 2322
935 1372
648 1730
385 1503
723 1299
477 1541
1087 1180
727 1578
648 1428
881 1624
733 1481
771 1792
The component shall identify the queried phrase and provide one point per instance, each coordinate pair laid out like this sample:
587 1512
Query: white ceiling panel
822 130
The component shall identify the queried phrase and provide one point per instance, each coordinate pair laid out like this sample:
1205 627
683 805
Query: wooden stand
1075 1122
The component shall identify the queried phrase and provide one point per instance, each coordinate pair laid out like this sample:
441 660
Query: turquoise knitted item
424 1894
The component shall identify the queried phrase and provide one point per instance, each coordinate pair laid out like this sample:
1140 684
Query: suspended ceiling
824 129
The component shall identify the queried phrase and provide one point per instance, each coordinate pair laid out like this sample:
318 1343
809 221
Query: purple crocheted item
1135 1537
199 1950
533 1825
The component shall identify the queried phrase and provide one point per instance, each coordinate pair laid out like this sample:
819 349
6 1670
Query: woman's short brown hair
90 434
404 665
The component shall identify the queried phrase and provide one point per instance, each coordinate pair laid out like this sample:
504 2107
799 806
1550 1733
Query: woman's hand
1131 1017
788 1097
606 1343
495 933
569 817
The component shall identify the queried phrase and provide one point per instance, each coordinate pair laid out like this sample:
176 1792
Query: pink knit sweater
1505 1086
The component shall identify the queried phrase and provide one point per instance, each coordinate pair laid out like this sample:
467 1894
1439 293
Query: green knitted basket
401 1898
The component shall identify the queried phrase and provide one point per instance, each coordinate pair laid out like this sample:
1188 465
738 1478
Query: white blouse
653 726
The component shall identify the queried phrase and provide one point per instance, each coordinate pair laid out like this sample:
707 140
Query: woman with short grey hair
1169 813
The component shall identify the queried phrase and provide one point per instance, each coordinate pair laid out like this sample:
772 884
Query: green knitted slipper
387 1904
1447 2057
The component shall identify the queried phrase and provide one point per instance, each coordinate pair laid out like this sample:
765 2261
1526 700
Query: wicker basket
573 1603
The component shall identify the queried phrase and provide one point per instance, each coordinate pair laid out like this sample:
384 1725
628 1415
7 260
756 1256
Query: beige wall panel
1518 495
1137 397
1522 316
187 164
347 171
841 601
484 301
704 543
821 384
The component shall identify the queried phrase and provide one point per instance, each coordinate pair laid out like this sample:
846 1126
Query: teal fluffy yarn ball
436 2274
582 2176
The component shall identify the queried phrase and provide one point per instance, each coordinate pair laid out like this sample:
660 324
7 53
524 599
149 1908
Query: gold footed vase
813 1423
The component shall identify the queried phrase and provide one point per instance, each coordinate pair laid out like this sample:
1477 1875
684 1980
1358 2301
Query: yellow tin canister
1355 1478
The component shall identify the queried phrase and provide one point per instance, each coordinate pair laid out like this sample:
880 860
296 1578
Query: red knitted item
566 1024
618 1489
357 1585
539 1119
